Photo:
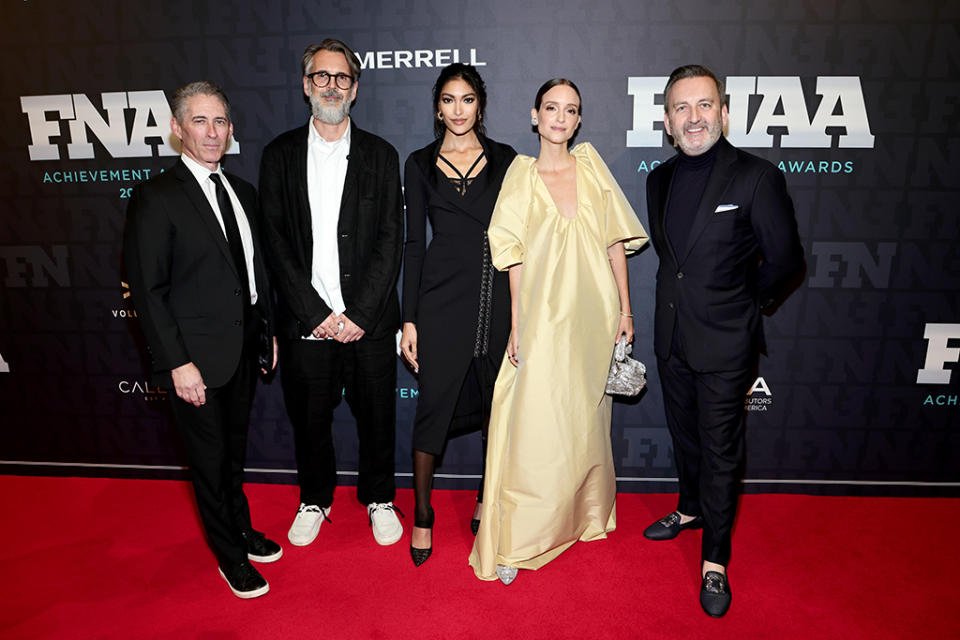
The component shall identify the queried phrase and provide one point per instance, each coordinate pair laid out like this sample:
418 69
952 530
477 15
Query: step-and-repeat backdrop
857 103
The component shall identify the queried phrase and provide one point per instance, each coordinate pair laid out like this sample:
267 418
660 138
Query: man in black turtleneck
724 228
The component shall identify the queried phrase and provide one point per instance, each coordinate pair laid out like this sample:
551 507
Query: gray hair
337 46
692 71
199 88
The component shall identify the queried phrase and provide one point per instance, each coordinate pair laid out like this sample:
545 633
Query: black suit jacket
183 281
370 233
423 192
735 262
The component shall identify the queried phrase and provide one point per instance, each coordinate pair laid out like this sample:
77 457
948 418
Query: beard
712 132
329 115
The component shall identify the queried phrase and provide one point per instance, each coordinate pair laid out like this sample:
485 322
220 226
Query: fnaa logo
150 121
939 353
782 104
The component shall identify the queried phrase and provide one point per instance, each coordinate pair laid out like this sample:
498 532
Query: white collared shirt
326 172
202 174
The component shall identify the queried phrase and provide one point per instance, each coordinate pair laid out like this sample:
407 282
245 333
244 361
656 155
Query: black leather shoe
420 556
715 594
245 581
669 527
260 548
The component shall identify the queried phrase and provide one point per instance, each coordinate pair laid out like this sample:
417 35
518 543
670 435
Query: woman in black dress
456 306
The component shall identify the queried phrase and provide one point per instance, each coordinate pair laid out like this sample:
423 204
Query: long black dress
451 291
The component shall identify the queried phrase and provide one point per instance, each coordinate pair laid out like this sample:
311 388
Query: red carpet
107 558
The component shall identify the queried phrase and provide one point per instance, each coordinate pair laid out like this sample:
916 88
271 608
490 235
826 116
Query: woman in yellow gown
562 227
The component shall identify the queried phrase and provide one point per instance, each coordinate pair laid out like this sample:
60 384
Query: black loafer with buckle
715 594
669 527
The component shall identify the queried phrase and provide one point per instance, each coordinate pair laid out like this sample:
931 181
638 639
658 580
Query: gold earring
439 116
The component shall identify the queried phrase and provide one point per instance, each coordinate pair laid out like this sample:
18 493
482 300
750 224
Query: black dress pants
215 439
705 414
315 375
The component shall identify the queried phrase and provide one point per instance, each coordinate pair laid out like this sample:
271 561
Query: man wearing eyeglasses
333 226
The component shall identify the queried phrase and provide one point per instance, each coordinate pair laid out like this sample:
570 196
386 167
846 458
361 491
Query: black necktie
233 234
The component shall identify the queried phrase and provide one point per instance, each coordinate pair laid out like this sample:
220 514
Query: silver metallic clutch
627 376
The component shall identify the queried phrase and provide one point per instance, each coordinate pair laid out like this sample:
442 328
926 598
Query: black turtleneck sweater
686 190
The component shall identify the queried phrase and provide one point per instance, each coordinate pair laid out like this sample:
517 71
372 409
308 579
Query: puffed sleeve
620 220
508 225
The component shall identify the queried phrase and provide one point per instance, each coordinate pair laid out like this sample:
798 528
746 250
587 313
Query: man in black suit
333 223
724 228
200 288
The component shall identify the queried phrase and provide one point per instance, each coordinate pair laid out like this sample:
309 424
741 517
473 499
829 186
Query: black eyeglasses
321 79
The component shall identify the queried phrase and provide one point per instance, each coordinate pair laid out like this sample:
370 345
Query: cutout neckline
461 181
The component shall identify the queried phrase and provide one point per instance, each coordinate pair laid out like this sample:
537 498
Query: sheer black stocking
423 464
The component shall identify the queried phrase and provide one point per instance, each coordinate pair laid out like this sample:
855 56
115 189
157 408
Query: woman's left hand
513 349
624 328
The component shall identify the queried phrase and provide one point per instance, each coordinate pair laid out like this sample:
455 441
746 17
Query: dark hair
337 46
178 104
550 84
691 71
469 74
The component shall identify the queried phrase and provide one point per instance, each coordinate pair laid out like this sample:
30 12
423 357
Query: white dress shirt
202 174
326 172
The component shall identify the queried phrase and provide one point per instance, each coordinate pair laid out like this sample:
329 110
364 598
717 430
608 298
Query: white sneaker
384 522
306 525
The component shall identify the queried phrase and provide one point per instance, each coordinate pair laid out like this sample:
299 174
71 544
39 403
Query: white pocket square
723 208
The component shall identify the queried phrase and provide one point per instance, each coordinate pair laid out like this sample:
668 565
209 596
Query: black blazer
183 281
735 262
370 233
421 190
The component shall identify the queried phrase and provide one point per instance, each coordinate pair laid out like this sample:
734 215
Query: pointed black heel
420 556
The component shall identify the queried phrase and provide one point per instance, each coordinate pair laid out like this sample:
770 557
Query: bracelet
626 315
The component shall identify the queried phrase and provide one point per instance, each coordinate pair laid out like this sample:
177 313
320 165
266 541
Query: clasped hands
339 327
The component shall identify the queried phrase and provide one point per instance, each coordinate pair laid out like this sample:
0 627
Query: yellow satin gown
550 479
